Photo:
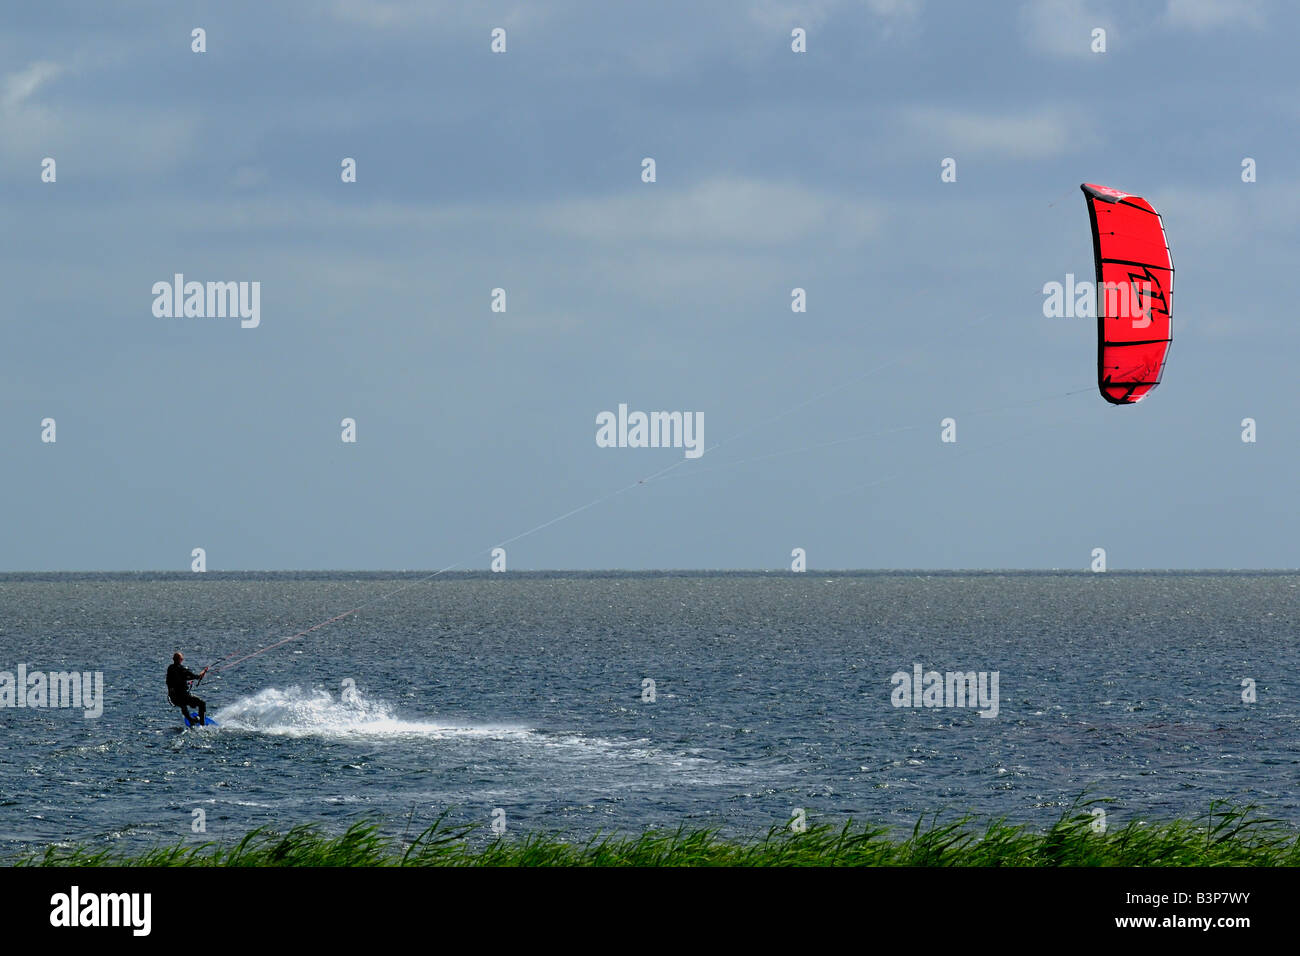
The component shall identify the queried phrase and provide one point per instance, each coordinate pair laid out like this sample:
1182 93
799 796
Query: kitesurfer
178 688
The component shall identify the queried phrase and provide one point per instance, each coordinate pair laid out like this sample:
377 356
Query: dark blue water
524 692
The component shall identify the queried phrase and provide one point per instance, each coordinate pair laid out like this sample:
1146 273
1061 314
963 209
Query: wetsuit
178 691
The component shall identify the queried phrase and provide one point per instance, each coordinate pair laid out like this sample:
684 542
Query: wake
298 712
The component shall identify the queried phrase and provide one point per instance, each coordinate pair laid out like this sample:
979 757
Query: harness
171 693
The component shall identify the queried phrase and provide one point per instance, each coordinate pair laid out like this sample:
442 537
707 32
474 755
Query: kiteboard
192 720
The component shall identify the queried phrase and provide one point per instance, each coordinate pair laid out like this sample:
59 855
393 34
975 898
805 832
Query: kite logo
1134 299
1146 285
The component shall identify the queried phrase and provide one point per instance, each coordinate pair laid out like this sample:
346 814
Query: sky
523 171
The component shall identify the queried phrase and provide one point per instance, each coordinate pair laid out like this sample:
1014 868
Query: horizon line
431 572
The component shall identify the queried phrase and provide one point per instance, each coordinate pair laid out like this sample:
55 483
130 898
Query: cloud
157 140
1061 27
908 9
1208 14
1241 215
28 126
1025 136
811 14
723 213
249 177
400 14
741 211
18 87
386 14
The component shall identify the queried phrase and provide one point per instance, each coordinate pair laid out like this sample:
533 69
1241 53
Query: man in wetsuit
178 689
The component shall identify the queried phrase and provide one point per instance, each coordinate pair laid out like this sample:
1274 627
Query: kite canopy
1135 293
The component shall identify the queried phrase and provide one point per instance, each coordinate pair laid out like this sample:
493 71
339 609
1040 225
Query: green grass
1224 836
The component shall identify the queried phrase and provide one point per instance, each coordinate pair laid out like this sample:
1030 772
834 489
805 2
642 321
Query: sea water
579 703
